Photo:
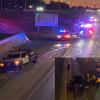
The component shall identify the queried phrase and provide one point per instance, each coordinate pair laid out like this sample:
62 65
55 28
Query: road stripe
40 84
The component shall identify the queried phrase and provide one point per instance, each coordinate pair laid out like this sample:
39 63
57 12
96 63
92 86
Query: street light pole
25 5
85 9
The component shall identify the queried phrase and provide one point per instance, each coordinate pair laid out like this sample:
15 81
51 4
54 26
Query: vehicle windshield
13 56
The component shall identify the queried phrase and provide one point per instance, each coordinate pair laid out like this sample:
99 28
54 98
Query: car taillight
67 36
91 32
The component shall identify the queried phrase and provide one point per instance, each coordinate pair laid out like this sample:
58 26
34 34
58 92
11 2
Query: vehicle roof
12 52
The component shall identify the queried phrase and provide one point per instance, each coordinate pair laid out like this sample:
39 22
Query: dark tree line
16 4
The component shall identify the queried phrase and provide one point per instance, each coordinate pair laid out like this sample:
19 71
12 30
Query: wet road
83 66
33 74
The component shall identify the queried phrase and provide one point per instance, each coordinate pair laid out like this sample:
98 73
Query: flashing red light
67 36
91 32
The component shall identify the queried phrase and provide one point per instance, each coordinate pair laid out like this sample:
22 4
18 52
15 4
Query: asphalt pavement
85 53
48 84
23 83
20 82
85 48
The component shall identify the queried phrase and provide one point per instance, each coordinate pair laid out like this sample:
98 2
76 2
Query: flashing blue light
81 32
61 30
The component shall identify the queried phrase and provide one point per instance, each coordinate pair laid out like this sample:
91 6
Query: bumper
8 67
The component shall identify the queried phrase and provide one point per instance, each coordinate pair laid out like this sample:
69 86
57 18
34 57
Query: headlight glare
17 62
1 64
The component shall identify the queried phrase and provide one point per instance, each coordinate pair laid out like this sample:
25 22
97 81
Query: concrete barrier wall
63 75
59 70
7 44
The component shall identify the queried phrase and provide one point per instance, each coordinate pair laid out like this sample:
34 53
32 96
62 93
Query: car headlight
17 62
59 36
1 64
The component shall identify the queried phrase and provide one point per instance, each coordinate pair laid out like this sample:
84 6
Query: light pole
85 9
25 5
39 9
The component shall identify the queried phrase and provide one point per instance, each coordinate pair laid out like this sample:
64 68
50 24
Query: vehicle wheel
21 67
35 61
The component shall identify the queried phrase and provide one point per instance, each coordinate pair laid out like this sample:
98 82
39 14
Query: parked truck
17 58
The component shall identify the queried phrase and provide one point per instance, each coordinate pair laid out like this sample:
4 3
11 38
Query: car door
24 57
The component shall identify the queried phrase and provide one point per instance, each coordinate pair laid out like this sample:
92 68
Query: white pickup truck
17 59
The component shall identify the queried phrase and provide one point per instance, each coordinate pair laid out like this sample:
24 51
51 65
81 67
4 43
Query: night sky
20 1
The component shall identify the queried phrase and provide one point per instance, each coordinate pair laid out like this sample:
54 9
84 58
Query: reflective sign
46 19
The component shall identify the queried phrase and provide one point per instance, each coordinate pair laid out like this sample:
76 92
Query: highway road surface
49 84
82 51
85 48
22 84
33 80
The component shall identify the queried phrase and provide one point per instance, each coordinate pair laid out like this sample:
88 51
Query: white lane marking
52 53
68 51
46 54
41 83
79 52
